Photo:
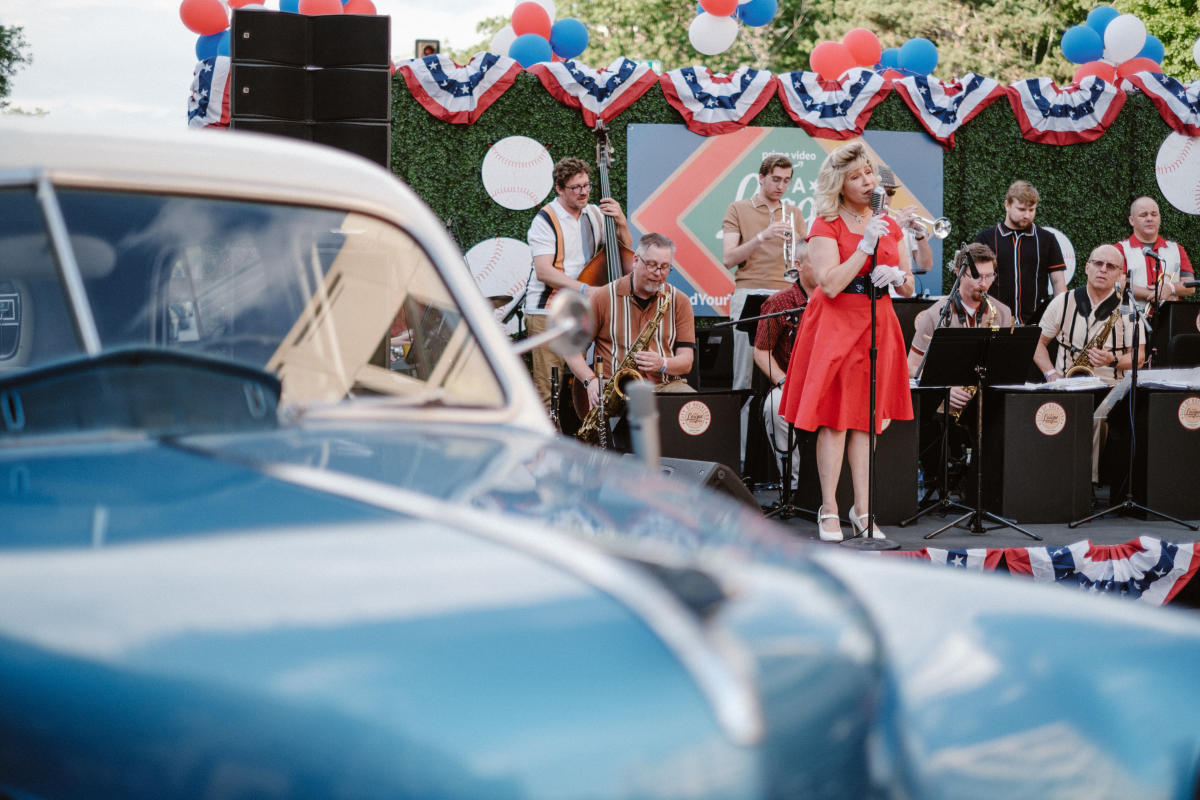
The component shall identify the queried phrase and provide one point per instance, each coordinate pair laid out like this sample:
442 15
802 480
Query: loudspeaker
330 40
370 140
302 95
1168 425
1173 318
711 474
701 425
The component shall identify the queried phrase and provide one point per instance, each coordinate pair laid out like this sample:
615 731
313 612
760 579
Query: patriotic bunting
459 94
944 107
1179 105
832 109
208 102
601 94
711 103
1080 113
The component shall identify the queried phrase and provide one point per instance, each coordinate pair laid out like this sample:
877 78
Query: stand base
1129 505
977 527
863 543
943 505
783 510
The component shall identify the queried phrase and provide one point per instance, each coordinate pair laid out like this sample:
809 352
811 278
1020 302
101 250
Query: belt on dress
858 285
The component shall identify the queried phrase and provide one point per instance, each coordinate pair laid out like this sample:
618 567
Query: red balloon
830 59
529 17
1135 65
864 47
316 8
719 8
204 17
359 7
244 3
1100 69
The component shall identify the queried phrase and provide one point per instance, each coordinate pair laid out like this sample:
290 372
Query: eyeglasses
1104 264
890 192
579 187
654 266
986 277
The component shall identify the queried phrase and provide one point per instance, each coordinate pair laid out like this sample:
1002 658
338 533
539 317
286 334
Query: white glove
875 228
884 275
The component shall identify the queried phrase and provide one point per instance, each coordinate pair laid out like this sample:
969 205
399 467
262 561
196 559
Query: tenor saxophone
612 394
992 323
1082 365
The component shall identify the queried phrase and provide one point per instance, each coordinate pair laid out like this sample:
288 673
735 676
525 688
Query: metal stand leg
944 504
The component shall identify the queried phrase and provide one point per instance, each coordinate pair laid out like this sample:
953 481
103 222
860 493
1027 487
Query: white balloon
503 40
1124 38
1196 51
546 4
711 35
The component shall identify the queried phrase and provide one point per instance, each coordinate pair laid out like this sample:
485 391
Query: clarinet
554 399
602 431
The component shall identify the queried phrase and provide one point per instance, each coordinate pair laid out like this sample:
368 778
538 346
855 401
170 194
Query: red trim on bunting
715 103
459 94
1177 104
599 94
809 100
1080 113
943 108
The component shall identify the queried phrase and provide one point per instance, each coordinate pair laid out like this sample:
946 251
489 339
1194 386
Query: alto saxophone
612 394
955 413
1082 365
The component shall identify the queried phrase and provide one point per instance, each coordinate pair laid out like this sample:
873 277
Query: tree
12 56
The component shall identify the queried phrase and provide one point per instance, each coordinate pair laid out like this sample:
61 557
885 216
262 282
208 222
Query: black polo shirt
1024 261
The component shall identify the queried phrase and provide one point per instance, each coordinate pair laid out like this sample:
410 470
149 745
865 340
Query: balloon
529 48
1099 17
890 58
919 56
1099 69
1081 44
893 74
245 3
292 6
568 38
204 17
830 60
719 8
317 8
1124 38
206 46
1153 49
223 43
528 18
757 13
864 47
711 34
503 40
1135 65
358 7
551 12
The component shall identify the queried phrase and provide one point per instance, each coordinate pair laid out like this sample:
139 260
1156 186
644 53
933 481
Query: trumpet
937 228
789 241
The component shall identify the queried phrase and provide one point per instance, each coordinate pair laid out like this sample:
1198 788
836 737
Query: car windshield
335 303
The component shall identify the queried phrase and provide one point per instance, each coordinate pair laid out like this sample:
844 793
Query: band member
623 308
563 237
773 350
1144 270
828 382
916 237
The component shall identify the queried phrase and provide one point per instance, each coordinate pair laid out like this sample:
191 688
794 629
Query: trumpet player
916 236
1154 264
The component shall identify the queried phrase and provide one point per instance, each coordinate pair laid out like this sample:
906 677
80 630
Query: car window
333 302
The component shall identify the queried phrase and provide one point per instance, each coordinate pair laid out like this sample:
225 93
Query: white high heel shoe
859 523
828 536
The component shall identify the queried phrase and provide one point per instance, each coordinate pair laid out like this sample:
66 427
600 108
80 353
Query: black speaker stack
324 79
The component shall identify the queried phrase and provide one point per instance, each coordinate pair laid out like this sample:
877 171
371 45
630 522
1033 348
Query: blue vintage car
281 516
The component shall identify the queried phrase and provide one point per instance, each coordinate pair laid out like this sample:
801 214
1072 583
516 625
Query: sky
128 63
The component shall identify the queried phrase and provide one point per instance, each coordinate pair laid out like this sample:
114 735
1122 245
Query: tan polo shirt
764 268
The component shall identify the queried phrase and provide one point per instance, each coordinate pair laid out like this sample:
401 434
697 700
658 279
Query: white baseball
500 268
1177 168
1068 253
517 172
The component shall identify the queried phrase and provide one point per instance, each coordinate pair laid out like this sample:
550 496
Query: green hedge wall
1085 189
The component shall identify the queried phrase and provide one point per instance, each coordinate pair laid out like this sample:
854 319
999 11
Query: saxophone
1082 365
955 413
612 393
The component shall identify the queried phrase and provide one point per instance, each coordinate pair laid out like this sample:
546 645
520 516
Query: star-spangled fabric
1177 104
832 109
459 94
1079 113
974 558
944 107
1145 569
599 93
208 102
712 104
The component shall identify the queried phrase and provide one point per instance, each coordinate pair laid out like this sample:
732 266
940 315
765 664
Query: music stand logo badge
694 417
1050 419
1189 413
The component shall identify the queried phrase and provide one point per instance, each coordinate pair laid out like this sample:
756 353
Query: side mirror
568 326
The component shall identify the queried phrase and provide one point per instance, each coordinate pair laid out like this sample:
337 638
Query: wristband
780 383
583 287
663 369
1047 375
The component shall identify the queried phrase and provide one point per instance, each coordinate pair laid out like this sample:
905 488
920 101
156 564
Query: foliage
12 55
1177 24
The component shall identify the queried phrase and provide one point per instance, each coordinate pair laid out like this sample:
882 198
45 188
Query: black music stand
979 357
944 504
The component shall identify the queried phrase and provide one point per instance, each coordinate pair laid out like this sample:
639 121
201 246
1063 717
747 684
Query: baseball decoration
1068 252
500 267
518 172
1177 168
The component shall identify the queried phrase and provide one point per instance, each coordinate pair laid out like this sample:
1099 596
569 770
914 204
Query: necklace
858 218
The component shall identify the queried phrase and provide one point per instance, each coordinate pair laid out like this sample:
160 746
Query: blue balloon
699 10
888 59
1080 44
1153 49
568 37
529 49
206 46
757 13
1099 17
919 56
292 6
223 43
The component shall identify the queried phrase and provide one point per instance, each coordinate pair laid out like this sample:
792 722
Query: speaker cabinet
711 474
331 40
371 140
300 94
1168 425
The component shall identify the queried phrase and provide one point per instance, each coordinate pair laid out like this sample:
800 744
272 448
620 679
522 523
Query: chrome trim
85 324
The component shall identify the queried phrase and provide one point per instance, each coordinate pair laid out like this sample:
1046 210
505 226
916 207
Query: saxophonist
623 308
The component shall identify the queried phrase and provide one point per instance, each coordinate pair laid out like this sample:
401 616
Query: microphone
965 255
1191 284
1148 251
878 199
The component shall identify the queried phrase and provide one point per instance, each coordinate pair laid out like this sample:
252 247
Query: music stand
943 504
979 357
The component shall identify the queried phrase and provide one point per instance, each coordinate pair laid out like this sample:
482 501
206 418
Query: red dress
829 377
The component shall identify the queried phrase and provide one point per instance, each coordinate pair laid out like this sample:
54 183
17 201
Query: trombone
937 228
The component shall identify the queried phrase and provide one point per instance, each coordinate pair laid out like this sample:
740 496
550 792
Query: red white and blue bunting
945 107
459 94
1179 105
832 109
600 93
714 103
208 101
1079 113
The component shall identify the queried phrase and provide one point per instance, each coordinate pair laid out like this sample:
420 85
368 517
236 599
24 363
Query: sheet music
1083 383
1170 378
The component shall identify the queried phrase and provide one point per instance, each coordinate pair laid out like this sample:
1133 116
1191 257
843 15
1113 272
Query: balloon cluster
531 38
858 48
917 56
1111 45
715 27
210 18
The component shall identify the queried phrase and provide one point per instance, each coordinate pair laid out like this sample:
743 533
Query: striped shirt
1024 261
620 318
